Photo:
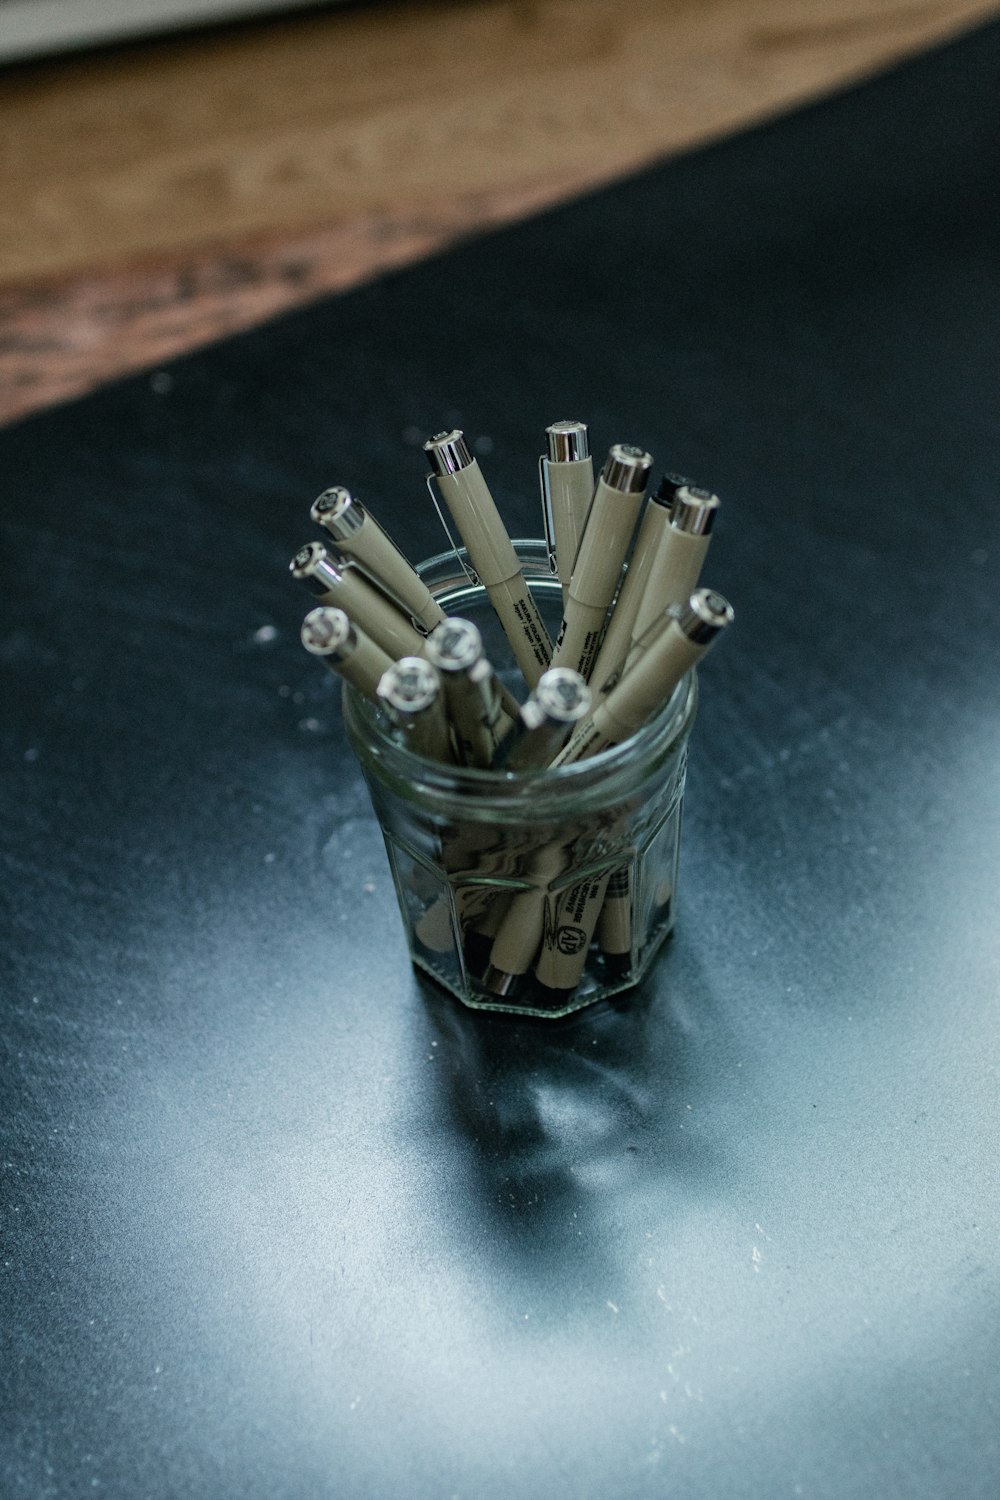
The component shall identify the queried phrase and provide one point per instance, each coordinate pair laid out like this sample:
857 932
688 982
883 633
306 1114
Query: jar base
606 976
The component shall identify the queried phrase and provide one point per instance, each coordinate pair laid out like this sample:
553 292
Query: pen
471 690
520 931
614 925
669 485
568 932
345 586
463 489
618 636
567 475
546 720
330 634
644 687
357 533
598 565
410 692
679 557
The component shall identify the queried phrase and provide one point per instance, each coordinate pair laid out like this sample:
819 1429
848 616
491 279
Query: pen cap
626 468
694 510
454 646
328 632
567 442
316 567
562 695
668 487
409 686
448 452
338 511
704 615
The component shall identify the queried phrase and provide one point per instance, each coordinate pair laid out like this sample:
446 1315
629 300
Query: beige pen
677 564
547 719
345 587
614 925
471 690
520 932
357 533
618 636
567 476
410 693
568 931
346 650
463 489
644 687
602 553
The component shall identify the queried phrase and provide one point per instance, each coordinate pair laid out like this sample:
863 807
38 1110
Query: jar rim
598 779
602 777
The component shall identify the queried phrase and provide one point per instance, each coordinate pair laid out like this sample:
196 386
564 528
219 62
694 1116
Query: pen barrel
492 555
570 921
473 509
618 636
673 576
374 614
522 625
614 925
521 929
580 637
535 747
605 542
364 666
359 536
472 701
634 700
389 570
571 491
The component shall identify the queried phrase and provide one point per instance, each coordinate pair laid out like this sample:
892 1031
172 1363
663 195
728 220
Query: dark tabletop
280 1219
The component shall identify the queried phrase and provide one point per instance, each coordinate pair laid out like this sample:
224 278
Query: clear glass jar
538 892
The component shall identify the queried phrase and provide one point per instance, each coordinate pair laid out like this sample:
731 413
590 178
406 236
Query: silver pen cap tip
306 559
626 468
563 694
448 452
694 510
326 630
455 645
704 615
409 685
567 442
338 511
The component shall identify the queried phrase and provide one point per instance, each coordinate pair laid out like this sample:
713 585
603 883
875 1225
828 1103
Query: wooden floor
156 196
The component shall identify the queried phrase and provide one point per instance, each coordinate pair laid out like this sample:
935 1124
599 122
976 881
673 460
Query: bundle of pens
534 843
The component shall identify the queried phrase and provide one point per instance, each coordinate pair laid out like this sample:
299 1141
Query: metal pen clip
548 525
463 562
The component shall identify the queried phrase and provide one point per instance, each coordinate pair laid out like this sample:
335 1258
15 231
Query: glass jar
535 892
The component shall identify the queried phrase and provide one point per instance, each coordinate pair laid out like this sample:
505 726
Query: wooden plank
158 195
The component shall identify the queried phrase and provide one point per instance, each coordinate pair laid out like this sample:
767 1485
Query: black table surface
279 1218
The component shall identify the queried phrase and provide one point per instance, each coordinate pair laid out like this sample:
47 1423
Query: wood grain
160 195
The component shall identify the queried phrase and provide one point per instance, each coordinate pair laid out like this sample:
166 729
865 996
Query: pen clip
463 563
548 525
